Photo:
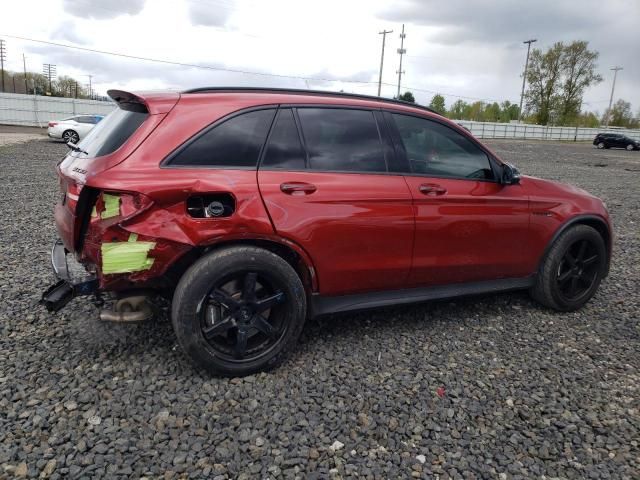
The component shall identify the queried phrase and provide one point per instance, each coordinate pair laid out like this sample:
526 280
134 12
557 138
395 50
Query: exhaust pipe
128 310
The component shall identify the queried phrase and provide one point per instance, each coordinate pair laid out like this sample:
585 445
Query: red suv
253 209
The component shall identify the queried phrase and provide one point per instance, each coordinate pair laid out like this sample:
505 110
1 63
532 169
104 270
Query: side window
234 143
342 139
85 119
284 149
437 150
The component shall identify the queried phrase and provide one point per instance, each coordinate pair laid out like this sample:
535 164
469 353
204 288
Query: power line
192 65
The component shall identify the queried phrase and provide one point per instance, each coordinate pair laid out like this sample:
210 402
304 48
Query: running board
362 301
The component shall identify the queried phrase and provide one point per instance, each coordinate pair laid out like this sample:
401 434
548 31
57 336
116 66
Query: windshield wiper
76 148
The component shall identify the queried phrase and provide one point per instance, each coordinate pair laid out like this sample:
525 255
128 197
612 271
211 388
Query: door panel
357 228
467 230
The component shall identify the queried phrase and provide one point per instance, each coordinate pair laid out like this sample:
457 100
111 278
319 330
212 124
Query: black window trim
166 161
400 150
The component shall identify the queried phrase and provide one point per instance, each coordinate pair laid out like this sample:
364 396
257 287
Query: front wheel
629 147
600 145
572 269
239 310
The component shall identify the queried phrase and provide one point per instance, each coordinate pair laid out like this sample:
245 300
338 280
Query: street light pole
384 37
401 51
613 87
524 75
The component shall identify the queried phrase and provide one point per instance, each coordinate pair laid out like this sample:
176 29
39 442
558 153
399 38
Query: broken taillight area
123 257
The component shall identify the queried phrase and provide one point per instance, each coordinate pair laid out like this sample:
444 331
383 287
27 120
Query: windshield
110 133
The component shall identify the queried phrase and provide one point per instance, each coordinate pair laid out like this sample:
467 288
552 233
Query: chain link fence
37 110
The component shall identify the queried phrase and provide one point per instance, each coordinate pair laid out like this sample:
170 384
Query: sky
462 49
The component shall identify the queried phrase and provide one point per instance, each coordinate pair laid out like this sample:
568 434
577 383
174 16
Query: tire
601 145
630 147
219 323
70 136
555 278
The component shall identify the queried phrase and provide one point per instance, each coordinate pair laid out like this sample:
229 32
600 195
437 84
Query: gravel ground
493 387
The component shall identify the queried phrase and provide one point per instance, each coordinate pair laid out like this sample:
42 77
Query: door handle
432 189
297 188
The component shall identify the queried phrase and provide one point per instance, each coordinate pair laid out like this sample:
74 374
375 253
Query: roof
294 91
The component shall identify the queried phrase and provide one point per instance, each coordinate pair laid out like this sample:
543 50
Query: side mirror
510 175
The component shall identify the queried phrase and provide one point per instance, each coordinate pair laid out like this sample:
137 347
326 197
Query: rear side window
284 149
111 133
236 142
437 150
342 140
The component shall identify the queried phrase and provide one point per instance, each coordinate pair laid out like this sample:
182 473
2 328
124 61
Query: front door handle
297 188
432 189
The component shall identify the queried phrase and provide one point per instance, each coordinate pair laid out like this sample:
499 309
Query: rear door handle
432 189
297 188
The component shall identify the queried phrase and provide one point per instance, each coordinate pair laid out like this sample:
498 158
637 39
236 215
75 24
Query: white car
73 129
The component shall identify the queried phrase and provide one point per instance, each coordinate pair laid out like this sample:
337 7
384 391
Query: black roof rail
301 91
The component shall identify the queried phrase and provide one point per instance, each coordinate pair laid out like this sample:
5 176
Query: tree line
63 86
556 82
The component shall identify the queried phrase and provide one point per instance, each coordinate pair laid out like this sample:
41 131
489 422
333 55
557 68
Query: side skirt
324 305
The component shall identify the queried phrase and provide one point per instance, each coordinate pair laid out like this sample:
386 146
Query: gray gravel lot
528 393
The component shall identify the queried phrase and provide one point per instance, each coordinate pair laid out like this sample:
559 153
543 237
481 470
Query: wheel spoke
270 302
241 343
562 279
249 287
261 323
570 258
590 260
218 328
224 299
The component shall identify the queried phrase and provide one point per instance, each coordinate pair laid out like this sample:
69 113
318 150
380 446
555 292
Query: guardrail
539 132
37 110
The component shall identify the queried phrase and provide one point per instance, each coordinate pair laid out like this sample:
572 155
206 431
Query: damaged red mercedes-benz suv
249 210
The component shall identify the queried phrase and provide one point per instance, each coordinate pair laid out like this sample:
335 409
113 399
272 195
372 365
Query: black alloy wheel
240 319
578 270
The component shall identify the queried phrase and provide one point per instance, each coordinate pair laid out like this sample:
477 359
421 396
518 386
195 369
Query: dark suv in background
615 140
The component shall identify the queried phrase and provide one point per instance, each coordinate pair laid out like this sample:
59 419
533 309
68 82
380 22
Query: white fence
37 110
538 132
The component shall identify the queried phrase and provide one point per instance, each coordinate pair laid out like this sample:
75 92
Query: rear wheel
572 270
239 310
70 136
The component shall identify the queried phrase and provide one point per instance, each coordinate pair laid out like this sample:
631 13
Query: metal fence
37 110
539 132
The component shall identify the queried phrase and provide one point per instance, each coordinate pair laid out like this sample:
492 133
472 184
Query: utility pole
49 71
3 57
613 87
384 37
524 75
24 65
401 51
90 90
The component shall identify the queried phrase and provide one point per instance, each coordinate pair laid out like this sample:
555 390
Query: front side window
236 142
340 139
437 150
284 149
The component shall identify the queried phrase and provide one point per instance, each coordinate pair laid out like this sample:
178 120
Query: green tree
458 110
475 112
407 97
508 111
620 115
437 104
492 112
544 77
579 72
